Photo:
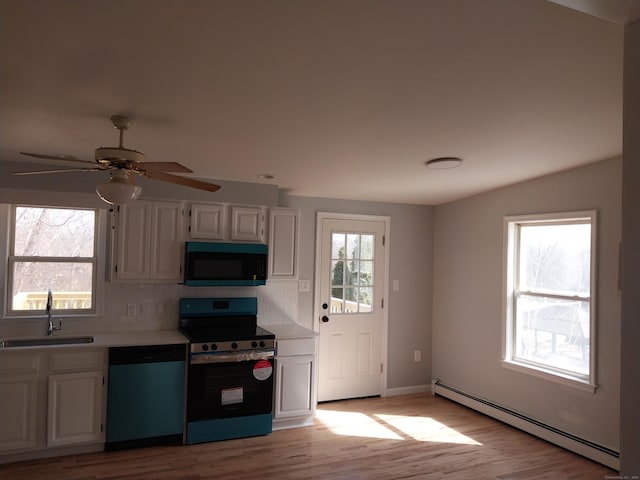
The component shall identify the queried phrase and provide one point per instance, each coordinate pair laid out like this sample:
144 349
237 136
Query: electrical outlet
131 310
417 355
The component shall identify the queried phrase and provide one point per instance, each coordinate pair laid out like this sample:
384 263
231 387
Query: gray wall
630 359
467 318
410 257
410 260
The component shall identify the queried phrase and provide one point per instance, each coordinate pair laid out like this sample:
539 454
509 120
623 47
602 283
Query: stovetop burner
213 334
223 324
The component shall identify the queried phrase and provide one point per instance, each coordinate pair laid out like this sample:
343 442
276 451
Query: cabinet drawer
87 360
19 363
296 346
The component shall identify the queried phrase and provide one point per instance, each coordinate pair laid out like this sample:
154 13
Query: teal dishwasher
146 396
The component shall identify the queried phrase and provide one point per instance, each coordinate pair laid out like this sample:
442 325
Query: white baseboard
394 392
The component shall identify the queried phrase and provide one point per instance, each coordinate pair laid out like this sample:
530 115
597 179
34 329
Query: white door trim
320 216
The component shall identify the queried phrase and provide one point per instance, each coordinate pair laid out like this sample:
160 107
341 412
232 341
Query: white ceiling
336 98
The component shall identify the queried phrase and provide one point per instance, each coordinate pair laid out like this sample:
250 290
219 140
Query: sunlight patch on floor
391 427
426 429
355 424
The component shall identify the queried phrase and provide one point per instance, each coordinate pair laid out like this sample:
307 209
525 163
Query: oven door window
223 390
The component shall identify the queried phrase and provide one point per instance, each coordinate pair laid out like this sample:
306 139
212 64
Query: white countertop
290 331
113 339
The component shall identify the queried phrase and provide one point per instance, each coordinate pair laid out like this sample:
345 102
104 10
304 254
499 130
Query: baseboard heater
578 445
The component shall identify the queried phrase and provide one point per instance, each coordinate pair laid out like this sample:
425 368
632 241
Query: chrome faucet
50 327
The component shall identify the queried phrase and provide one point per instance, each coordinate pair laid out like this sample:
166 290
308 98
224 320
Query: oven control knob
234 345
262 344
205 347
254 344
214 346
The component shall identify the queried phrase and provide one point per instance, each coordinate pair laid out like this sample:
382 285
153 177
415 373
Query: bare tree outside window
550 317
52 249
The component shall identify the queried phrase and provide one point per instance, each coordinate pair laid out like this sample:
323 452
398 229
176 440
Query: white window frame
511 240
96 283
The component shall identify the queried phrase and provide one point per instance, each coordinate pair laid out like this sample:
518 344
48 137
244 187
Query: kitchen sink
43 341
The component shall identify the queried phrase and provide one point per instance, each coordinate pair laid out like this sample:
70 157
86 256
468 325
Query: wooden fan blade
187 182
173 167
38 172
65 158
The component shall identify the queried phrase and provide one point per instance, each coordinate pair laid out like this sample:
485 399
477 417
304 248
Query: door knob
325 306
325 319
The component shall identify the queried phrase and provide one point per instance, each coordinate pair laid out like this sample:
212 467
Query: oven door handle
231 357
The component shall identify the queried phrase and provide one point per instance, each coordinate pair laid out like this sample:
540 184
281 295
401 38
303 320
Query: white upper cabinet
207 221
226 223
283 243
247 224
147 242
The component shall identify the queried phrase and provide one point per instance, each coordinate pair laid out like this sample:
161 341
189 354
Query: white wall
630 359
410 262
467 296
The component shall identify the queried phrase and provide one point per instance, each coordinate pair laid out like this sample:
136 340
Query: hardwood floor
406 437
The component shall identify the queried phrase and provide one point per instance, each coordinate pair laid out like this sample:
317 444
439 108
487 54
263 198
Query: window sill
549 375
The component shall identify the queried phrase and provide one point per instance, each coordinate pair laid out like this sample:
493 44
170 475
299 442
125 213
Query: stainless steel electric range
230 372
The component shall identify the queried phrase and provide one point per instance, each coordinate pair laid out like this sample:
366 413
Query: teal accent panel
227 428
145 400
214 247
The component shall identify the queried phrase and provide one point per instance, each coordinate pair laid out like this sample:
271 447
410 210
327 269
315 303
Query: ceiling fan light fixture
443 163
120 190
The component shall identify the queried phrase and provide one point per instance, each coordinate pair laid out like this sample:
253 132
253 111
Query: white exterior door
350 313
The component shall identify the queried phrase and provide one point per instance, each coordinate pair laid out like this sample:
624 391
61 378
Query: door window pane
352 272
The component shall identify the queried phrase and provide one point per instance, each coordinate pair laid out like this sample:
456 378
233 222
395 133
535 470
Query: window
351 272
550 302
52 249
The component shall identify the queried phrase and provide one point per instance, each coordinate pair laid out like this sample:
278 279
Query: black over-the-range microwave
225 264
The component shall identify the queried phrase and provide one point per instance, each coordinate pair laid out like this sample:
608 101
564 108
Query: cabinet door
18 400
133 223
247 224
283 238
165 241
207 221
75 408
294 377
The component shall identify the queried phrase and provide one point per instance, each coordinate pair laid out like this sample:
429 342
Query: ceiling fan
123 163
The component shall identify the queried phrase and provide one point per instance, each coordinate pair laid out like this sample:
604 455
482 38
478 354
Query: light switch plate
304 285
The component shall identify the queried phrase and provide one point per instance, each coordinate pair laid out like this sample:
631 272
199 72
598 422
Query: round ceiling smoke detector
443 163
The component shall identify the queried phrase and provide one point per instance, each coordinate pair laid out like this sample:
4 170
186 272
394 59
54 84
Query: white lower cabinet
75 408
293 384
51 398
295 397
18 412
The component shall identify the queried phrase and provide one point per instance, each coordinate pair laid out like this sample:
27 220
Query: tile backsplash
140 307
